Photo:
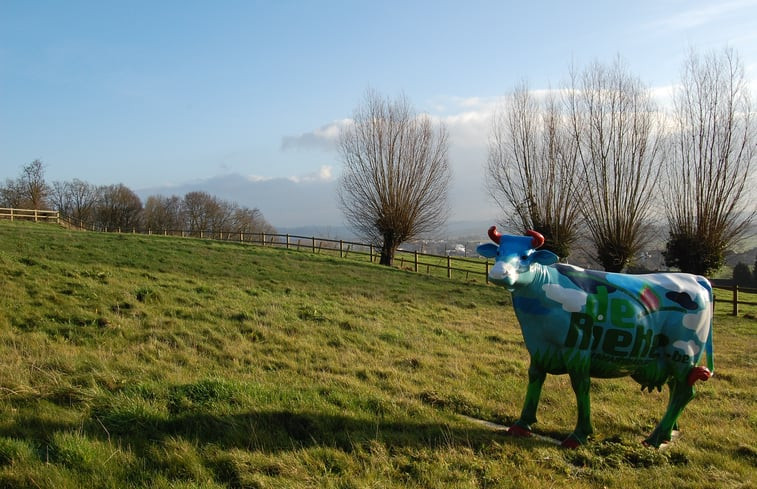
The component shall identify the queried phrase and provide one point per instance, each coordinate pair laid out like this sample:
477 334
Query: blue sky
162 95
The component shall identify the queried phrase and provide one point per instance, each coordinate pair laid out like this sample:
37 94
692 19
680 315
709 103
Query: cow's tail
708 349
708 345
697 372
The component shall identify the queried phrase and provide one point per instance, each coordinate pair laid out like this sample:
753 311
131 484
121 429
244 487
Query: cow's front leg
581 382
536 376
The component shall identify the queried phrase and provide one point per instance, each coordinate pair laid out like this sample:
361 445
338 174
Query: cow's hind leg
680 395
536 377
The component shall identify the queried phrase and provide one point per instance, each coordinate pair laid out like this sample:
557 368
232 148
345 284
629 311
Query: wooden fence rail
29 215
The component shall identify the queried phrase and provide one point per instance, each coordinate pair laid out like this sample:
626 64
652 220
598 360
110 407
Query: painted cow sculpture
587 323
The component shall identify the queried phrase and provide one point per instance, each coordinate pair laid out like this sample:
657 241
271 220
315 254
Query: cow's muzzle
503 274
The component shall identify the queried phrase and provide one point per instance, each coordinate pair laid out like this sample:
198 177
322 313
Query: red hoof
698 373
570 442
516 430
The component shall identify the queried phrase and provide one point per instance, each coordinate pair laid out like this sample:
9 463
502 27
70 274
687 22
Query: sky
245 98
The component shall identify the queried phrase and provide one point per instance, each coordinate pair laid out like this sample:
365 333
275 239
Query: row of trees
112 207
598 157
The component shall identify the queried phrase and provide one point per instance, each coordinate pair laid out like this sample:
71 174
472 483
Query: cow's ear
544 257
488 250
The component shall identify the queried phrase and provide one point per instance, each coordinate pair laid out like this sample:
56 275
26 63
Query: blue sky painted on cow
164 96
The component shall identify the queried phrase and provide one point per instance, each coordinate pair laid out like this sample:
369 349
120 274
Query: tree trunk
387 249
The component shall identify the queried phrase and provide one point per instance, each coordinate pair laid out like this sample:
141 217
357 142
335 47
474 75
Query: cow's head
515 257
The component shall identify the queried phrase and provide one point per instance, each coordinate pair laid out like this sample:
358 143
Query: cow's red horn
536 238
494 234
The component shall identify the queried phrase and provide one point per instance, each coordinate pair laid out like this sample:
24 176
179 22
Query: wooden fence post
487 271
313 244
735 300
415 261
287 240
341 245
449 267
370 252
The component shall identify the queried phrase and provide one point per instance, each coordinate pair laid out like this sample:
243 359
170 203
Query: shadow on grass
266 431
273 431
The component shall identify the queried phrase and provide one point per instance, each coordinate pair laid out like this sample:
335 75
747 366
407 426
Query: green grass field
150 361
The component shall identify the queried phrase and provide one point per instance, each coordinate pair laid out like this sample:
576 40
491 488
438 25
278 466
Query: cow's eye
524 257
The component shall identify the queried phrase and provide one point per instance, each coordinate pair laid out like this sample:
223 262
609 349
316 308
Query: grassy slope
136 361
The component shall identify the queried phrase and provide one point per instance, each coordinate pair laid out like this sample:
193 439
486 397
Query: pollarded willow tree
394 182
617 132
711 164
531 169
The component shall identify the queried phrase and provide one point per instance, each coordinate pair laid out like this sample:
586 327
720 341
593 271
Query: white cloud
324 174
663 95
257 178
469 129
702 15
324 137
467 119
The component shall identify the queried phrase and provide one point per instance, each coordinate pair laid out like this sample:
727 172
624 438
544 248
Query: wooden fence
29 215
451 266
735 299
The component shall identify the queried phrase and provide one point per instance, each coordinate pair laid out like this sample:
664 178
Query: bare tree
204 213
396 174
59 198
11 194
33 185
221 215
118 208
163 213
532 163
711 164
75 200
616 129
29 191
245 220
